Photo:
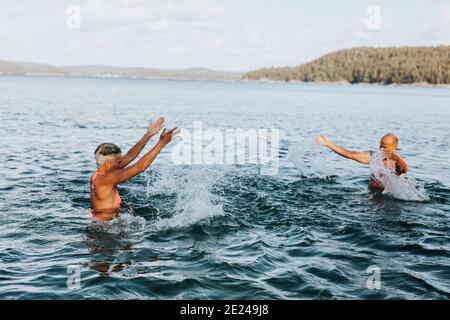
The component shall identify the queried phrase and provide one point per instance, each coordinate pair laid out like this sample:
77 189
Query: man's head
108 155
389 142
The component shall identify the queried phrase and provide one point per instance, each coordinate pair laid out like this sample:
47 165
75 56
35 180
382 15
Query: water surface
221 232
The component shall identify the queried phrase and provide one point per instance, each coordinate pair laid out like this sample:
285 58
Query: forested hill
368 65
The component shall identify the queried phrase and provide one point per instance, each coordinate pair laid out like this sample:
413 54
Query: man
112 169
388 146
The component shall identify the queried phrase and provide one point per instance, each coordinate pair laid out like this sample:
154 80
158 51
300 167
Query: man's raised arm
122 175
361 157
132 154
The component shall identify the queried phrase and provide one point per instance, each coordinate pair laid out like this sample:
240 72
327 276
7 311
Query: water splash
402 187
195 201
310 160
125 223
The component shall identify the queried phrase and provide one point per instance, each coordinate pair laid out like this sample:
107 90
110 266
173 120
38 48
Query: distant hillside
10 67
25 68
368 65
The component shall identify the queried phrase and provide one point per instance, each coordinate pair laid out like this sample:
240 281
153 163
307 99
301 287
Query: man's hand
167 136
322 140
400 164
155 126
390 154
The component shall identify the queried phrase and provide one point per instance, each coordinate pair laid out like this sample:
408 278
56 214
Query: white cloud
150 15
445 12
3 33
160 25
216 43
72 45
423 3
16 10
434 30
217 34
178 51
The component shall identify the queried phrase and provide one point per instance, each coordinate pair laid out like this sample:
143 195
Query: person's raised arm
361 157
122 175
153 129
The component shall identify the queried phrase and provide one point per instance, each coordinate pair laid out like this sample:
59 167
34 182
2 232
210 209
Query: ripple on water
225 232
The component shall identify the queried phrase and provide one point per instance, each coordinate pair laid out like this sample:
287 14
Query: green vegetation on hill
368 65
25 68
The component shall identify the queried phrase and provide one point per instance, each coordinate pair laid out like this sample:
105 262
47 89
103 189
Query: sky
230 35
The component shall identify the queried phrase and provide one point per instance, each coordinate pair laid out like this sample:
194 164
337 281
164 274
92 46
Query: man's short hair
105 152
390 138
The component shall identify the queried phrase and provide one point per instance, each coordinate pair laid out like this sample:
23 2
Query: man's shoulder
104 180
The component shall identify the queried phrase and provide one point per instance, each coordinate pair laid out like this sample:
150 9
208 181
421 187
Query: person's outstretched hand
155 126
168 135
322 140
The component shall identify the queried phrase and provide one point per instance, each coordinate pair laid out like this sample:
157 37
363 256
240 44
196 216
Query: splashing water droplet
403 187
310 160
125 223
195 202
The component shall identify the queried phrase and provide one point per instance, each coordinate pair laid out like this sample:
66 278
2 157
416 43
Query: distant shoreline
266 81
346 83
113 77
105 71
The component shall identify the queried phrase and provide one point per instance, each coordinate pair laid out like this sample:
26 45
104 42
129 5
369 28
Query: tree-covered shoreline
405 65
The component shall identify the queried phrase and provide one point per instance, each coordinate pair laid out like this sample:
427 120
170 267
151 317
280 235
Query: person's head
389 142
108 156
